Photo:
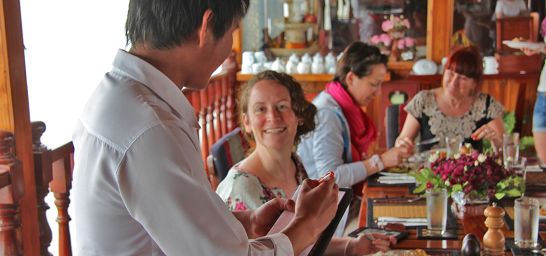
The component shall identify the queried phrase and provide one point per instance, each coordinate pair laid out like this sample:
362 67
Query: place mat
400 211
398 207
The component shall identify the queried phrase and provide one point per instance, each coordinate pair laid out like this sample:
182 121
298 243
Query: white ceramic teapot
490 65
318 67
278 66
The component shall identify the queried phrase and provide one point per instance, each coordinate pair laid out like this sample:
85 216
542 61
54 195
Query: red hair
466 61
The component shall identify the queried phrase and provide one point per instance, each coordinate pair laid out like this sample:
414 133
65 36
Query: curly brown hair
303 109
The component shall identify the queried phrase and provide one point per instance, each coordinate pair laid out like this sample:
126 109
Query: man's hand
263 218
316 206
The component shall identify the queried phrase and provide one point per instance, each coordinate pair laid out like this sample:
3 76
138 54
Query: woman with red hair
457 109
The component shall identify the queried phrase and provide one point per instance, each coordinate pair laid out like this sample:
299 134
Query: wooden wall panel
439 28
15 117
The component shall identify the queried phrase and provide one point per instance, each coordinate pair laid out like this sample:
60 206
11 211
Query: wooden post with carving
42 174
61 160
11 192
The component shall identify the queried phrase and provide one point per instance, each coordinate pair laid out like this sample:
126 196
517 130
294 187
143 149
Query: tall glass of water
436 211
526 211
453 144
510 149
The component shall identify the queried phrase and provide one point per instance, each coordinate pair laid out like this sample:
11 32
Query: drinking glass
526 212
436 211
510 149
453 144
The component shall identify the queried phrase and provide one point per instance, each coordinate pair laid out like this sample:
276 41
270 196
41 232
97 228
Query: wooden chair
227 151
394 121
509 28
397 92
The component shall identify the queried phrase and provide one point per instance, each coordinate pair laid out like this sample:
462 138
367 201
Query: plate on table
398 169
523 44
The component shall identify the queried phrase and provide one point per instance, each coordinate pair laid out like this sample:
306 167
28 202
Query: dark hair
466 61
168 23
358 57
303 109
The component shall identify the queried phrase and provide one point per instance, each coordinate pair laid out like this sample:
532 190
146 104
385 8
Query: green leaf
526 142
420 188
456 188
513 192
499 195
509 120
502 184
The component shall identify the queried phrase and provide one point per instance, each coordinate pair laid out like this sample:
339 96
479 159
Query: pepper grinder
493 240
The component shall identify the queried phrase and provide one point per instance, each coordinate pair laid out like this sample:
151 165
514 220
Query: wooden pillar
15 117
439 28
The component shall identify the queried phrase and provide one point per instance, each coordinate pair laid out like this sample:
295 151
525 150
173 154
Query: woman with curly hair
275 114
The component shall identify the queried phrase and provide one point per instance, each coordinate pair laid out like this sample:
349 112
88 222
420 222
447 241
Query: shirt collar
146 74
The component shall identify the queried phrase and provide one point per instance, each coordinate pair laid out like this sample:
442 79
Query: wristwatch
377 163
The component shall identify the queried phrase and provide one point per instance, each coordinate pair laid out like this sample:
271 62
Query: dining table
399 200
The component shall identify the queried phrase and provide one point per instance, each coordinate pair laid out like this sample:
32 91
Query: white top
139 183
510 8
328 147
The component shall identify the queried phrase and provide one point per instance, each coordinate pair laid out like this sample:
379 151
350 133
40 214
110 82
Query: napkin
409 222
395 178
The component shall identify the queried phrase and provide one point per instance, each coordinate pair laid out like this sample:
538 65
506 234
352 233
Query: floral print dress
242 190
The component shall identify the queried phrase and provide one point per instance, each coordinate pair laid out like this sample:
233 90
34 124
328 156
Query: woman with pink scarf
343 131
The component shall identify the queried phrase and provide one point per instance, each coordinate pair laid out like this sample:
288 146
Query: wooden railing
215 108
53 171
11 192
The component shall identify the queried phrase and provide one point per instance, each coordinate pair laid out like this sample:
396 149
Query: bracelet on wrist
376 162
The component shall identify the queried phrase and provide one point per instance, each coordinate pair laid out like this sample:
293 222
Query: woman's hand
404 142
488 133
395 155
530 52
369 243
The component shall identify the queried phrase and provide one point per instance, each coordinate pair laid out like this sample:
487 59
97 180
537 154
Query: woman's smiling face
270 117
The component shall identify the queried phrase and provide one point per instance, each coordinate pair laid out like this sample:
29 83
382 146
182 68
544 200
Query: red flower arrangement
468 175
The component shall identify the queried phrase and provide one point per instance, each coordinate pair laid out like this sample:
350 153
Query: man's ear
203 37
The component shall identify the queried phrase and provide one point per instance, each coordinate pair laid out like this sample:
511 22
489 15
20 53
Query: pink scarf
363 131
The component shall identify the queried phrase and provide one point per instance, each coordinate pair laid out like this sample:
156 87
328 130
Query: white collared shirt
139 183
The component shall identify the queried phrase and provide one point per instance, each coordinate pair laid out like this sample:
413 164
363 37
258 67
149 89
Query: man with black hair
139 182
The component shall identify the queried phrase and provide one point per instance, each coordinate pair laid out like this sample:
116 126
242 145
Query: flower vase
470 204
407 55
396 34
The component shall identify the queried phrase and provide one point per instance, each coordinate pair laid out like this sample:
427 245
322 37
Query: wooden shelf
299 77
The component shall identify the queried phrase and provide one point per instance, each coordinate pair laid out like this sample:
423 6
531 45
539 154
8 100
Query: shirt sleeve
416 105
241 191
167 192
327 146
